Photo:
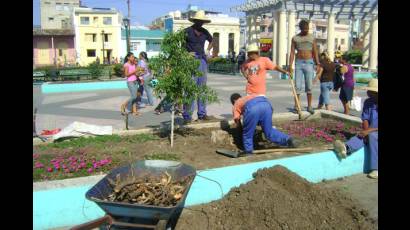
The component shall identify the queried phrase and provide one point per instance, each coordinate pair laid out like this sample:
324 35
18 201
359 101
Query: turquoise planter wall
68 206
86 86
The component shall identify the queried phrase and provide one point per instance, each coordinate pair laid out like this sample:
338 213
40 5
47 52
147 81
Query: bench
223 68
74 74
39 75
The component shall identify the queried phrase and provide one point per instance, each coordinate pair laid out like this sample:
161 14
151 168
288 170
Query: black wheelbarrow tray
123 214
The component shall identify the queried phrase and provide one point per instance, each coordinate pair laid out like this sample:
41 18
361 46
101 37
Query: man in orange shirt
254 70
257 110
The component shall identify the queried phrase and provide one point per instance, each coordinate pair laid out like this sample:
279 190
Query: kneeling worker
257 110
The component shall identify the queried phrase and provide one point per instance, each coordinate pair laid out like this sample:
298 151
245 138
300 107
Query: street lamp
127 30
102 33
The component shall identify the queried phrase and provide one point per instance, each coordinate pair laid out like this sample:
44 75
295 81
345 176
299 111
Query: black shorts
346 93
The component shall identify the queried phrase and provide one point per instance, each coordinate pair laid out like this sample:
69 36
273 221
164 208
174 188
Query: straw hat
252 48
200 16
372 86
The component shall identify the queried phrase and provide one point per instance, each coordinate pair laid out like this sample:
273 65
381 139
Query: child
254 70
369 136
346 91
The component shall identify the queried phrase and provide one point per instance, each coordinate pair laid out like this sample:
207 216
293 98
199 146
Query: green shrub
218 60
354 56
95 69
118 70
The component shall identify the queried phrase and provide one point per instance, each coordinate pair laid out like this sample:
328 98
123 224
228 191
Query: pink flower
49 169
66 170
38 165
90 170
35 155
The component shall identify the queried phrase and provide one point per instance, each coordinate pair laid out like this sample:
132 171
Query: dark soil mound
278 199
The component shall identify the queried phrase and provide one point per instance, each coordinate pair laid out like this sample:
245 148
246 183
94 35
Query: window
231 42
106 36
66 8
90 53
107 20
342 41
153 46
336 41
84 20
59 7
270 28
95 20
91 37
51 19
60 52
215 42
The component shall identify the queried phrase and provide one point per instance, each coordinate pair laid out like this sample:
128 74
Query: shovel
292 83
235 154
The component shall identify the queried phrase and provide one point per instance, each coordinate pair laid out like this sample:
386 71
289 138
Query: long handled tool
234 154
292 83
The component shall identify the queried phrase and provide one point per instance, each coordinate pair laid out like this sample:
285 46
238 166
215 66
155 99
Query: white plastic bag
78 129
356 103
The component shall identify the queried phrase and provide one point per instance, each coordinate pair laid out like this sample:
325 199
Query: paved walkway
102 107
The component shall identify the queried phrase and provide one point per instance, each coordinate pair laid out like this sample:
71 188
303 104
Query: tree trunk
172 127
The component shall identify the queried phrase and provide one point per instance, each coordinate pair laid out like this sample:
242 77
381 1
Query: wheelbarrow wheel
161 225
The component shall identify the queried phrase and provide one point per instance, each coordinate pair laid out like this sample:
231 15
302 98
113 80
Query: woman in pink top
130 73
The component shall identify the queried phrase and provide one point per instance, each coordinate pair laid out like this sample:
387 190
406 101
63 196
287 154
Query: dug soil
278 199
196 147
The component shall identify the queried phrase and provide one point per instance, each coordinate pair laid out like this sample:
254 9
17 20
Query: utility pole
128 28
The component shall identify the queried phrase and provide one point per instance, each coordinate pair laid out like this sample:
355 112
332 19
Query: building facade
224 29
148 41
98 34
53 47
57 14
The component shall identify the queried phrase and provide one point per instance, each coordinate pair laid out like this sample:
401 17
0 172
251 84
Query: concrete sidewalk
58 110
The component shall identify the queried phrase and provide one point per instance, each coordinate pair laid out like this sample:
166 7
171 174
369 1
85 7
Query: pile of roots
149 190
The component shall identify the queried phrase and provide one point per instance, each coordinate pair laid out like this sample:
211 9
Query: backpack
337 78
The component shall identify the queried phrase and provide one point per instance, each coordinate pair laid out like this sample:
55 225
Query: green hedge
354 56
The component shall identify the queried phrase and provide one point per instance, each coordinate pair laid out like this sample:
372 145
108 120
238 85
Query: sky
143 12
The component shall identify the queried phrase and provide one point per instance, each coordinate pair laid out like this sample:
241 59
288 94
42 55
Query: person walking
325 75
306 58
196 36
130 71
346 91
147 77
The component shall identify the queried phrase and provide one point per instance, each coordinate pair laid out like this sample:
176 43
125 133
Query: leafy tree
174 68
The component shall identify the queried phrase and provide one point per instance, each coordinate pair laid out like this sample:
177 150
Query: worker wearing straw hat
195 43
368 137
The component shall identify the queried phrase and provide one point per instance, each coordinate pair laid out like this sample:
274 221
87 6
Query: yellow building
97 34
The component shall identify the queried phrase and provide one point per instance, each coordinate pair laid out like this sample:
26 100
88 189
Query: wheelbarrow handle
94 223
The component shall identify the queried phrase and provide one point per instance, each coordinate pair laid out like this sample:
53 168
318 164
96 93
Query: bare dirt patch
278 199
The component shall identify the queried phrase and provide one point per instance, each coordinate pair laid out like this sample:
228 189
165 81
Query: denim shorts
325 88
346 93
304 73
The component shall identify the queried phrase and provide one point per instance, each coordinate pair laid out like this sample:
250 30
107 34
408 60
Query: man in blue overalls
257 110
369 136
195 42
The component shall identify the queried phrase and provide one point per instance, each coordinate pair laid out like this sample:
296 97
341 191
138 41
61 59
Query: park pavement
58 110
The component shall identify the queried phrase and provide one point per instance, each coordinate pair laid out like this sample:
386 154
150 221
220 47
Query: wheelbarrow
121 215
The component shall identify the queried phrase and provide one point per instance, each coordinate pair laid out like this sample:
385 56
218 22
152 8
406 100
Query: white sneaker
340 149
373 174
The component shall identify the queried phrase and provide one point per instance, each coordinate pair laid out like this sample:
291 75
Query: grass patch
98 141
162 156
